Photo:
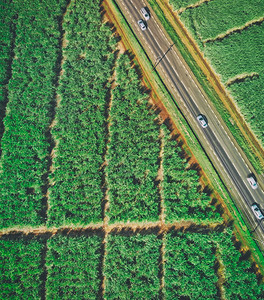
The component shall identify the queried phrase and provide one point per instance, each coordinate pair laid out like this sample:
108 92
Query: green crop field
230 34
80 124
72 264
132 267
21 267
98 199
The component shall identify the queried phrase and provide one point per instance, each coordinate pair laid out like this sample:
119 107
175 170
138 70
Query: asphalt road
216 138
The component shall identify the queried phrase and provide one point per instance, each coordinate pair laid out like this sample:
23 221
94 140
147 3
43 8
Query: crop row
25 143
6 43
180 187
240 282
133 150
73 267
21 268
80 130
196 266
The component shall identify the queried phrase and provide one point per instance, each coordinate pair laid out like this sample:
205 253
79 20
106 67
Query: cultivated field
230 34
98 199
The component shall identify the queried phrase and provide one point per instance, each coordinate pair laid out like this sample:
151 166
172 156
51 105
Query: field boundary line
220 274
132 227
160 176
57 100
241 77
223 35
181 10
105 187
212 78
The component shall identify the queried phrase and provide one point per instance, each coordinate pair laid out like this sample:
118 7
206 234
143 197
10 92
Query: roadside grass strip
21 267
131 267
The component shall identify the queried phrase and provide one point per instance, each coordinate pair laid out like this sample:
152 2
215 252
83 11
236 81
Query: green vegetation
80 133
197 262
25 143
73 267
189 268
212 18
208 89
21 268
6 56
131 267
95 127
176 4
240 281
235 57
133 150
180 187
243 53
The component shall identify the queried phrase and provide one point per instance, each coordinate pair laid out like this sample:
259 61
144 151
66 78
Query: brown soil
132 227
220 275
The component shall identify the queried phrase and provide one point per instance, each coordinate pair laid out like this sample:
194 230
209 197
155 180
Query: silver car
252 181
201 119
145 13
142 25
256 210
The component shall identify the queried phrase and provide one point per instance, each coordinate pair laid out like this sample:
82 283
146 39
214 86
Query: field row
66 149
194 264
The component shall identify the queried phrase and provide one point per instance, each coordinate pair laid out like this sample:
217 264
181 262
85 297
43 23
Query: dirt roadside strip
212 78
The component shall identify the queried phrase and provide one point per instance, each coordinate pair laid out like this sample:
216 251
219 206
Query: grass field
230 34
113 189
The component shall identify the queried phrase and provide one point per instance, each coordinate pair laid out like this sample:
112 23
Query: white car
142 25
202 121
257 212
145 13
252 181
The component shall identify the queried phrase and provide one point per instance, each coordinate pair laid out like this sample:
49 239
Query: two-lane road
216 138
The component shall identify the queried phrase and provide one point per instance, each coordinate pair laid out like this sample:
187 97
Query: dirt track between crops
158 227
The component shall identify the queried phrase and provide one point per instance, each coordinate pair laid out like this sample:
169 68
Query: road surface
216 138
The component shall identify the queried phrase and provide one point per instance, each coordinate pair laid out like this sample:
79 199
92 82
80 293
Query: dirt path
132 227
